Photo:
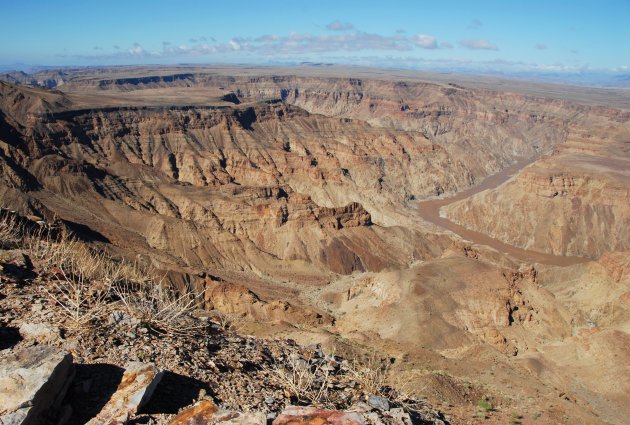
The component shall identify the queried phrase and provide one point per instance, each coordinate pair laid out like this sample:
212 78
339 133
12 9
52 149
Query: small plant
483 407
515 419
370 374
10 231
160 309
307 382
81 301
226 321
82 278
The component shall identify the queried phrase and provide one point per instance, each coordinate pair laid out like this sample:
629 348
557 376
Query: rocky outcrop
33 383
237 300
206 412
313 416
136 388
574 202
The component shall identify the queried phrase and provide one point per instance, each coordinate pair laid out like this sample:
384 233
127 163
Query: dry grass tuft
305 381
86 282
227 321
370 373
9 232
159 309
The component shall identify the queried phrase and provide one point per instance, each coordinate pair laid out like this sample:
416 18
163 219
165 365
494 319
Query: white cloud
425 41
478 44
137 50
337 25
268 45
267 38
235 45
298 43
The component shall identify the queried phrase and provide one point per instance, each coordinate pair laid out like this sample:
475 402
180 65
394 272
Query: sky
509 36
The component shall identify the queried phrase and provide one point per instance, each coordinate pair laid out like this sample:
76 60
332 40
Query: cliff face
250 188
574 202
233 186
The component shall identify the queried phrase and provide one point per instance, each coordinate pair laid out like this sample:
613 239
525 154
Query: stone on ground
33 380
137 385
378 402
294 415
206 412
40 332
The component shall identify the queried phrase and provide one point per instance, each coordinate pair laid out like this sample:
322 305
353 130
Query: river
429 210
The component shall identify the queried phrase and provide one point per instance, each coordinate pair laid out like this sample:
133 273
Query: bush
484 405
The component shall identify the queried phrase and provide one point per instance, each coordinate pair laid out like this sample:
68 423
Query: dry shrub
159 309
85 282
10 231
307 381
370 373
227 321
82 277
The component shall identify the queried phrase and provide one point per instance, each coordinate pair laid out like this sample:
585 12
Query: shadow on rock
94 385
9 337
173 393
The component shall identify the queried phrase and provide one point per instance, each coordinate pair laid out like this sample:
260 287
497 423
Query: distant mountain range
41 74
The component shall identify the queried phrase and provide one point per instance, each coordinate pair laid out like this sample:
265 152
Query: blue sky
510 36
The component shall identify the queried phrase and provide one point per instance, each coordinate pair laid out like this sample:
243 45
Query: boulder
15 257
206 412
16 263
33 381
40 332
294 415
379 403
136 388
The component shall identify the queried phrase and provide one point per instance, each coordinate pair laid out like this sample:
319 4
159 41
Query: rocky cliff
573 202
244 186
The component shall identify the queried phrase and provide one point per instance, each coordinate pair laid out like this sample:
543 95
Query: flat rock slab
206 412
32 381
295 415
137 385
40 332
201 412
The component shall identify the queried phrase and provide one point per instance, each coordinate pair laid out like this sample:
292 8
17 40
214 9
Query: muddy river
429 210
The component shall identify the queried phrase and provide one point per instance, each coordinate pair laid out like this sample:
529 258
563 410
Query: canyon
477 231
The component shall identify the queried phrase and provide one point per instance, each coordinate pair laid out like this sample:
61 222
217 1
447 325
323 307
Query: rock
206 412
373 418
17 263
40 332
15 257
399 416
33 381
360 407
294 415
201 412
137 385
377 402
